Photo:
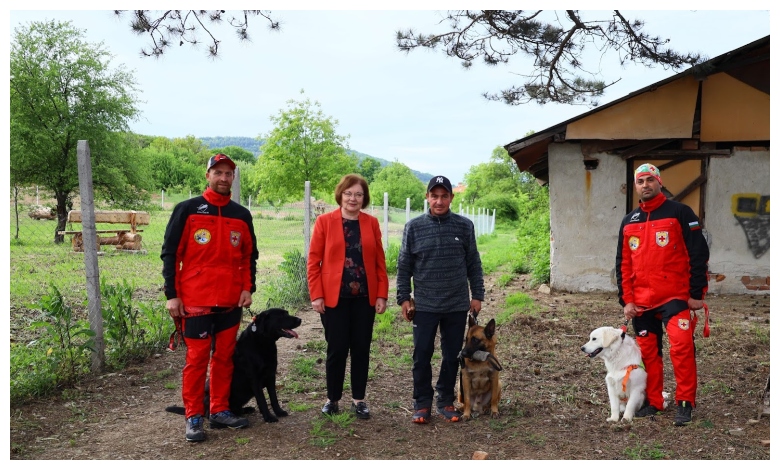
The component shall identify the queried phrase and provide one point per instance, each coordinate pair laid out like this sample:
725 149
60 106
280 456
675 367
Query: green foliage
505 205
645 452
533 236
131 329
64 90
303 146
59 357
391 257
398 181
368 168
291 289
514 304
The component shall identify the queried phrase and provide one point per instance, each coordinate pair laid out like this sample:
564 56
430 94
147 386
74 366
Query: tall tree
368 168
398 181
302 146
558 43
63 90
178 27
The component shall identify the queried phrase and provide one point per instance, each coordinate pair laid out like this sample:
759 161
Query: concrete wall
739 256
586 207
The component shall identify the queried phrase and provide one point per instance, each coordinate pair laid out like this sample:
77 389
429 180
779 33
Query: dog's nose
582 348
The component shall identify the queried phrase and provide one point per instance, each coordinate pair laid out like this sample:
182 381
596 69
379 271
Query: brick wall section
756 282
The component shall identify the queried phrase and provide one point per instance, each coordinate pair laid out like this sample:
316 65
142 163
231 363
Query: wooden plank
73 232
113 217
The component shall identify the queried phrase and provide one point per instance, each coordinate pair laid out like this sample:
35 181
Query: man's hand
405 311
476 306
175 307
630 311
695 304
246 299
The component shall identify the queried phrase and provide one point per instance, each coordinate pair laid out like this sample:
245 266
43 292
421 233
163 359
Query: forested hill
251 144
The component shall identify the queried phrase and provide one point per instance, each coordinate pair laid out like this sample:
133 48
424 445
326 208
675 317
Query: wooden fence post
90 254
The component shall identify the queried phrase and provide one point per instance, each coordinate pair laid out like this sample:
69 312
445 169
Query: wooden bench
126 239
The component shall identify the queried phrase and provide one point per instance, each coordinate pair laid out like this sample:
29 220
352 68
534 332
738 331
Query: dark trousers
452 327
348 330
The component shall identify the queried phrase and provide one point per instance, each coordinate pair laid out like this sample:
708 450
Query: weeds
645 452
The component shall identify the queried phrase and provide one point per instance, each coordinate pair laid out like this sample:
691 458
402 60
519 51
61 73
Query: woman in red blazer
348 287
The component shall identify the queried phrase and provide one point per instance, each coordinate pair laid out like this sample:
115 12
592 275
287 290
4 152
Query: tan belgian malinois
480 386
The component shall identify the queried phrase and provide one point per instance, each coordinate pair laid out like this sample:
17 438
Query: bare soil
554 404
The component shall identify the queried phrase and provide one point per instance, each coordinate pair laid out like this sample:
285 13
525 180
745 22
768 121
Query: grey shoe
683 416
226 419
194 430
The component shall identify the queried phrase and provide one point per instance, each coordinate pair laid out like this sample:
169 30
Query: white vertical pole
408 208
387 221
306 218
36 196
162 199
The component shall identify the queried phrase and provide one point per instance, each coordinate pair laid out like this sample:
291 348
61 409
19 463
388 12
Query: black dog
254 364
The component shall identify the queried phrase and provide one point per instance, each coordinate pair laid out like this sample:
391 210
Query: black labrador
254 364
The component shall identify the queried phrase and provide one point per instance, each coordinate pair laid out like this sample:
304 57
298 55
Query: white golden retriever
626 378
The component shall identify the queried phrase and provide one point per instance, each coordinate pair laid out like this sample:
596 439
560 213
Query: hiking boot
194 430
422 416
683 416
450 413
647 411
361 410
226 419
330 408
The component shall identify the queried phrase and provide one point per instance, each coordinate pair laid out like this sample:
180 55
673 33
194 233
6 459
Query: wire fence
36 261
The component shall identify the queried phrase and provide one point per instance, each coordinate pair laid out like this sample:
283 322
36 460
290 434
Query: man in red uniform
661 269
209 265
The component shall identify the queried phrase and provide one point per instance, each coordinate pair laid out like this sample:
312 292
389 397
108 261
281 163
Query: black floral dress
353 280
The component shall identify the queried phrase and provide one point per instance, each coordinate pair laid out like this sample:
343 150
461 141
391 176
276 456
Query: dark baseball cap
440 181
219 158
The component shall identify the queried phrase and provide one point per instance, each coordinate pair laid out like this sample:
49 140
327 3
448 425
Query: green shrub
506 205
291 289
391 257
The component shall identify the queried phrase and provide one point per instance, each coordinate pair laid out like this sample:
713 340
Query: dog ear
472 321
610 335
490 328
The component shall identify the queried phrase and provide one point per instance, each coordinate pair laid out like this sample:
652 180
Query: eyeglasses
349 195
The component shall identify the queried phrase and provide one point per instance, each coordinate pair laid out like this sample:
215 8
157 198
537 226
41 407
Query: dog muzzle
594 353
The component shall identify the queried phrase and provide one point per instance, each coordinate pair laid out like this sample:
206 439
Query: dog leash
706 332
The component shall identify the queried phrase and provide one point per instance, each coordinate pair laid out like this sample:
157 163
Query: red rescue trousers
193 382
682 353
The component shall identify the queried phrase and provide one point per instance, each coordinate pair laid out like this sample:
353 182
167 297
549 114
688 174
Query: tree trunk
62 216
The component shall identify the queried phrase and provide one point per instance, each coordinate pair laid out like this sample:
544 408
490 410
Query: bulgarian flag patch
694 225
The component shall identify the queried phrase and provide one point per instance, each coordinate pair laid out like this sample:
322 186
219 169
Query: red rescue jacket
210 251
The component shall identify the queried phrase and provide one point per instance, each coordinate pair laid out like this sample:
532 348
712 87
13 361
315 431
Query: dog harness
628 374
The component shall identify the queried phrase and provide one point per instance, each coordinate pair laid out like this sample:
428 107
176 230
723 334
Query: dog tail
179 410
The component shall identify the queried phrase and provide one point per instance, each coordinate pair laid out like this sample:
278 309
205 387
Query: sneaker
361 410
422 416
683 416
647 411
194 430
330 408
226 419
450 413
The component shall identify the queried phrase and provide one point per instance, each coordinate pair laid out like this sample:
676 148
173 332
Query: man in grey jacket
439 254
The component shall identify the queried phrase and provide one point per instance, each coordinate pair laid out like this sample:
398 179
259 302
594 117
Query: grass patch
645 452
514 304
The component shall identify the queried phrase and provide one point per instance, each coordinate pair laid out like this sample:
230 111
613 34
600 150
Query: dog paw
612 419
495 414
281 413
270 419
466 416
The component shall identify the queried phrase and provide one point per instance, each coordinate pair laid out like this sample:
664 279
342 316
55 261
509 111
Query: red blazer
327 252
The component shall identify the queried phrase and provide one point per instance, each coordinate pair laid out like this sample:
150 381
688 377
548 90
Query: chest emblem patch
202 236
235 238
633 243
662 238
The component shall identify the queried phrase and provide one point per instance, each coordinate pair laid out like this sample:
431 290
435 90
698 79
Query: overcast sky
422 108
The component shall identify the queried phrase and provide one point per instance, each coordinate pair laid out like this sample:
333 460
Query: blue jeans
452 327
